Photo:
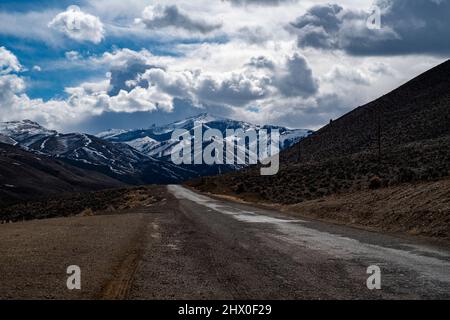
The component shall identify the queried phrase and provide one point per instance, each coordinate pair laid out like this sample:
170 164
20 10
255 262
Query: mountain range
135 156
116 160
157 142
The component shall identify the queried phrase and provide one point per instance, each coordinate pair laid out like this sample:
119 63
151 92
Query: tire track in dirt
118 288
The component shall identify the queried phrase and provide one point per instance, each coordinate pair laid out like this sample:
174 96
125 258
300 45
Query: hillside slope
24 175
418 110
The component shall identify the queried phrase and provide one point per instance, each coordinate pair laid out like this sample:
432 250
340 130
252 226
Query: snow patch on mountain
25 132
110 133
157 142
7 140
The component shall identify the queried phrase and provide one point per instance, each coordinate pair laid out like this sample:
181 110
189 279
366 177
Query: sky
91 65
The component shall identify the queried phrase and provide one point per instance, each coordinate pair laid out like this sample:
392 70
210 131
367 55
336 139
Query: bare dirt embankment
417 209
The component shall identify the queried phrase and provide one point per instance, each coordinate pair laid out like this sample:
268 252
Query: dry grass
417 209
83 204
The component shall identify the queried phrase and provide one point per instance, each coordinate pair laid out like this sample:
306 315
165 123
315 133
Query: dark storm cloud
126 76
238 90
318 26
408 27
171 16
298 80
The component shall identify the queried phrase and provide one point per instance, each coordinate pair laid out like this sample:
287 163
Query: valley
369 191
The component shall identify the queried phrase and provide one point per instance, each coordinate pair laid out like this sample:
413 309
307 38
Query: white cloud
340 74
203 76
10 85
78 25
16 105
198 78
8 62
72 55
252 62
29 25
140 99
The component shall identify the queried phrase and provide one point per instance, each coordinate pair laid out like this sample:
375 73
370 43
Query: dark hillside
25 175
418 110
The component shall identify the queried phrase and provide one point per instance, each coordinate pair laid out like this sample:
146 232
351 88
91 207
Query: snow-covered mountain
87 151
25 132
135 156
157 142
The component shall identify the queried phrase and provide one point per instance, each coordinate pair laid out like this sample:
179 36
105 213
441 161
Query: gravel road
191 246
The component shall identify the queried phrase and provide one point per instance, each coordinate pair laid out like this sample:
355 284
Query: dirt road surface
191 246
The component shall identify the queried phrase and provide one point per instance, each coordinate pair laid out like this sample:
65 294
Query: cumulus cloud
236 89
10 85
344 75
124 89
204 88
84 101
282 90
261 62
162 16
254 82
126 77
8 62
16 105
132 71
297 78
72 55
139 81
78 25
230 56
178 84
408 27
317 24
141 99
